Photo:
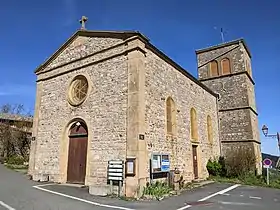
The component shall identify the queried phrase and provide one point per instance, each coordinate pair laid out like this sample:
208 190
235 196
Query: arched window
170 116
226 66
209 130
214 71
194 131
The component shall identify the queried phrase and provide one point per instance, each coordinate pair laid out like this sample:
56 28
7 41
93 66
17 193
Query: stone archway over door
77 153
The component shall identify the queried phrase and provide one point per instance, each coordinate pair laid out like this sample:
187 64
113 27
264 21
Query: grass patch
250 179
16 163
225 179
16 167
124 198
157 190
229 169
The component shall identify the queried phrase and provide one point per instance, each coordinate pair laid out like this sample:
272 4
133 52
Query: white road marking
226 194
184 207
253 197
79 199
6 206
241 195
48 184
212 195
220 192
236 203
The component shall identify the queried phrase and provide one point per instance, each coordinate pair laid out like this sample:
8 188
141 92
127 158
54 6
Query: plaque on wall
141 136
130 167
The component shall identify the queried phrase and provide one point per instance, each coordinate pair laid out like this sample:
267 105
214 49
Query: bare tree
14 132
17 109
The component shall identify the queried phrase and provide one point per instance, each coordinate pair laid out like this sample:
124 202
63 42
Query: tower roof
237 41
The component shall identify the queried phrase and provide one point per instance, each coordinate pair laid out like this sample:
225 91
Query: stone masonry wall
237 121
229 88
231 148
236 91
99 56
235 125
104 110
233 52
81 47
163 80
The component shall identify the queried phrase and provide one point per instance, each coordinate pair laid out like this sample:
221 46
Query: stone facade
238 122
129 83
104 111
164 80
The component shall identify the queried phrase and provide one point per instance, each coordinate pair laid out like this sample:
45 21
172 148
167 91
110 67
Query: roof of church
237 41
125 35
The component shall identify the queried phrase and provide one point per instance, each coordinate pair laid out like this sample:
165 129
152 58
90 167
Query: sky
32 30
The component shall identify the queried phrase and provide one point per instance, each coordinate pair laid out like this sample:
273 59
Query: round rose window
78 90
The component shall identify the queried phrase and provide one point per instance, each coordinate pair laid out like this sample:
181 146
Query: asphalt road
243 198
18 193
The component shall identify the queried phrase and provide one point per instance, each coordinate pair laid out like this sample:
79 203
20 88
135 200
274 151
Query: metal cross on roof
83 22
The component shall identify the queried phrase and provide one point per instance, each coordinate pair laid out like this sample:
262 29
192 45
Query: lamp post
277 135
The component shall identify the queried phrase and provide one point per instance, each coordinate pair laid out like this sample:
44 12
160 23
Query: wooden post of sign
111 187
115 174
119 191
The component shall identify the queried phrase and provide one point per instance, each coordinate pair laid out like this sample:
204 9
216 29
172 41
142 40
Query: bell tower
226 69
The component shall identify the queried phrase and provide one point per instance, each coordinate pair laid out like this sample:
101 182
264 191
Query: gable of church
79 47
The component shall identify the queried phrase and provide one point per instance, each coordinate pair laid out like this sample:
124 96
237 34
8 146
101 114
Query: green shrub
222 162
157 189
240 162
252 179
16 167
214 168
15 160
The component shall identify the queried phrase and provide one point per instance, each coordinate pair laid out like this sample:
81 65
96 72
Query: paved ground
245 198
18 193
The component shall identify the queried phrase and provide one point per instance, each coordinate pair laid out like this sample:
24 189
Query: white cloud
17 90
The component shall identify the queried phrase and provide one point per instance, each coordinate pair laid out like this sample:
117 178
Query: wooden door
195 165
77 155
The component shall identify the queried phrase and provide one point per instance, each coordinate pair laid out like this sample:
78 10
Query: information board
160 163
115 170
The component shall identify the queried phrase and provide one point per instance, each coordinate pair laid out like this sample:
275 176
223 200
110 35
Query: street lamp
265 130
277 135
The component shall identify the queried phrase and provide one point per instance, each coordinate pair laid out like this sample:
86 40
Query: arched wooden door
77 153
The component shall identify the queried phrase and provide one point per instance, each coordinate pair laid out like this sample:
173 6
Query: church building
113 96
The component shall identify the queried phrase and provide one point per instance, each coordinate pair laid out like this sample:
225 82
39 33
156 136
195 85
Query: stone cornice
218 56
238 41
124 52
229 75
239 108
240 141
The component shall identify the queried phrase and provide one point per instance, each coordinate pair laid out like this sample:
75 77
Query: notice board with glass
160 164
